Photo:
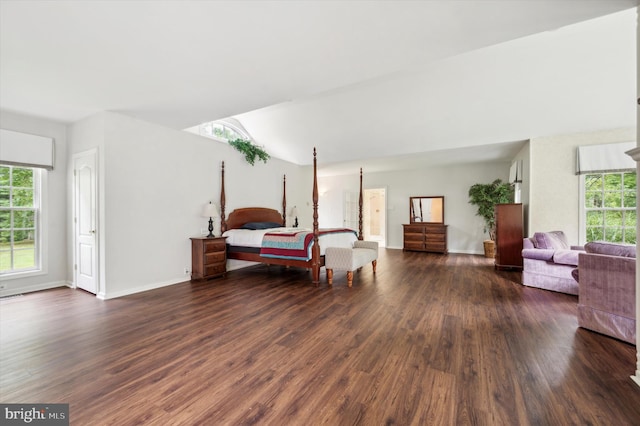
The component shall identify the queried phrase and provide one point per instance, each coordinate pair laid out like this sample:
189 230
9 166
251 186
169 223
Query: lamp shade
210 210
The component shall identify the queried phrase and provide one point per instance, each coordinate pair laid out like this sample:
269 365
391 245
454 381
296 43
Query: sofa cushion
538 254
611 249
566 257
551 240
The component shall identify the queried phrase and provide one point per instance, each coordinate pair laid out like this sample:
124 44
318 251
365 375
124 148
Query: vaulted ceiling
361 80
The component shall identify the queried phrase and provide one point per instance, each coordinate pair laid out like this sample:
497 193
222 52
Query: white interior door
85 196
350 215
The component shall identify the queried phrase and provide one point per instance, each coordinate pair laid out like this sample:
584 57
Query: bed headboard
239 217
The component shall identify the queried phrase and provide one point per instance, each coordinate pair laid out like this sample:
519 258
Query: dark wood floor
430 340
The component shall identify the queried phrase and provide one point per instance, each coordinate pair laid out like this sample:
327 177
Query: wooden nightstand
208 257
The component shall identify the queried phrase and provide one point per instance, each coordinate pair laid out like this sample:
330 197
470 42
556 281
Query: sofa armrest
527 243
538 254
566 257
372 245
580 248
608 283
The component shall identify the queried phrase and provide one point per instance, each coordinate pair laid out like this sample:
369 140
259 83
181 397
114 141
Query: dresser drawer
435 229
214 245
438 247
413 245
215 269
414 237
217 257
435 238
414 229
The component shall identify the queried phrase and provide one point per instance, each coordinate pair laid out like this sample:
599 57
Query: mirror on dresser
426 209
426 230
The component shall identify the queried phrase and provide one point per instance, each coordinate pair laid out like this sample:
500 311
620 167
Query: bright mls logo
35 414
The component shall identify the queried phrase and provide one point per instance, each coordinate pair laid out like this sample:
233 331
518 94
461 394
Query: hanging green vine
250 150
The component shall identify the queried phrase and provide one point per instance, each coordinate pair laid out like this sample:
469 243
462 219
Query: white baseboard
466 252
133 290
12 291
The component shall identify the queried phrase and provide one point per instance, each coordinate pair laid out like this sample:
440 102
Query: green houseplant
250 150
485 196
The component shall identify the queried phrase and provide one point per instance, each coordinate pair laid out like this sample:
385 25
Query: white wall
524 155
465 231
54 207
155 182
554 202
83 136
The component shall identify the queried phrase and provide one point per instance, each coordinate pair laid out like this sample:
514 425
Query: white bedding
253 238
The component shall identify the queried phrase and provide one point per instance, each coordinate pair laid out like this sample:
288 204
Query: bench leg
330 276
349 278
374 263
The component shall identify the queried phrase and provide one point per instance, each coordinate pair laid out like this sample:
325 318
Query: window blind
604 158
22 149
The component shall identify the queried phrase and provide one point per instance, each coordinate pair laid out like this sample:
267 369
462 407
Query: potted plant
485 196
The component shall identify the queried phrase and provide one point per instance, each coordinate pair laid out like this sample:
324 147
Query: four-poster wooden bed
307 243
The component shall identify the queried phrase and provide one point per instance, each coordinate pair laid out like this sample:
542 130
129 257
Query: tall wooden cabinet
509 236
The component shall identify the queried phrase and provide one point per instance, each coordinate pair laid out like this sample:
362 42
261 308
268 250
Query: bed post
284 200
315 250
223 223
360 236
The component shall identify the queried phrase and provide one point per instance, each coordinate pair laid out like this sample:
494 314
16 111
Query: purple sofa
607 297
548 260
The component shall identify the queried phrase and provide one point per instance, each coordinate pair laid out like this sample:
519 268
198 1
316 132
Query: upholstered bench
350 259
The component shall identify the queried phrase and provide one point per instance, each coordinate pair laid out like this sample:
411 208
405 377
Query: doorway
375 215
85 188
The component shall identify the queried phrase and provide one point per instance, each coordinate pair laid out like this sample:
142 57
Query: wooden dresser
509 236
208 257
431 237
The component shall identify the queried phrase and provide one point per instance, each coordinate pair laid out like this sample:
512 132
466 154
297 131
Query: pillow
261 225
551 240
611 249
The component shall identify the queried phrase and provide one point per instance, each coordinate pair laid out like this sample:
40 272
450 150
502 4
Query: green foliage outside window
610 203
220 131
17 219
250 151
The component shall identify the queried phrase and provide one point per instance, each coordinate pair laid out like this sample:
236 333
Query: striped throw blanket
288 244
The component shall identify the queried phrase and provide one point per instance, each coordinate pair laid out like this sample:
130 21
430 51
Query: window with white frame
224 130
609 205
19 219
